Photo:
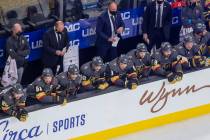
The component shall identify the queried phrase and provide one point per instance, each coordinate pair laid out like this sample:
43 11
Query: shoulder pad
131 52
86 69
180 47
173 50
62 75
113 62
130 56
85 66
147 53
157 52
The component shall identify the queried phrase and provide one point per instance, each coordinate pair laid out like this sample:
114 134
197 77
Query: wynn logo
160 99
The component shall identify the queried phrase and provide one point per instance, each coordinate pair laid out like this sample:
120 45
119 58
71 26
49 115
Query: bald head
113 8
59 25
16 29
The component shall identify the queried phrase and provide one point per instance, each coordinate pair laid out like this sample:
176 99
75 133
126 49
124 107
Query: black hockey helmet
47 72
73 69
123 59
166 46
97 61
141 47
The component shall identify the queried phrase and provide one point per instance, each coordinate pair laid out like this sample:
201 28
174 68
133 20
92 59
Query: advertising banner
111 110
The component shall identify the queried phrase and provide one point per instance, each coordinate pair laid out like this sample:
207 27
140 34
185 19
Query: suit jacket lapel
154 10
108 22
164 10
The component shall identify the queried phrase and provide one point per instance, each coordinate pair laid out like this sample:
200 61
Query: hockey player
141 59
165 63
70 81
202 38
122 73
200 34
46 88
190 54
94 74
12 102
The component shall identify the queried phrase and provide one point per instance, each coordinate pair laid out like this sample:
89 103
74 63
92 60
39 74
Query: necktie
158 17
59 40
114 23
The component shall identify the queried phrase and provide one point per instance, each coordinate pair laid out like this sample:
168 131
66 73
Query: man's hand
58 53
62 53
120 30
53 94
145 37
184 59
111 39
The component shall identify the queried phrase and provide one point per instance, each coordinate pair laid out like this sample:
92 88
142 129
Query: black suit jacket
149 18
50 45
103 28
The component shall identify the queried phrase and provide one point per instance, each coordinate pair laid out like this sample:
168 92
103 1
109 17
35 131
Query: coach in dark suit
55 43
157 21
109 25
